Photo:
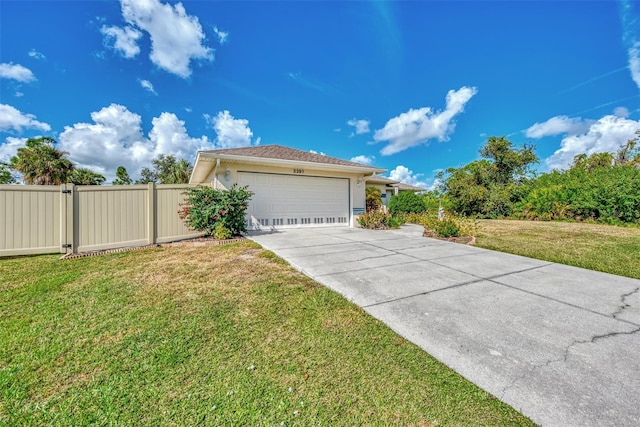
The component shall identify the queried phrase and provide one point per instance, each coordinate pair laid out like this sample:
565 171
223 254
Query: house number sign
298 171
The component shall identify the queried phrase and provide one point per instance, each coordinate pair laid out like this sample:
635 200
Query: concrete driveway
558 343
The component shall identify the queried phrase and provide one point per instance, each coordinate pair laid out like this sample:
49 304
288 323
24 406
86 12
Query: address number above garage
298 171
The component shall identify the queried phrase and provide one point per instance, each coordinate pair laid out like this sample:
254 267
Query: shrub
205 208
451 226
604 194
374 199
406 202
221 232
378 220
447 228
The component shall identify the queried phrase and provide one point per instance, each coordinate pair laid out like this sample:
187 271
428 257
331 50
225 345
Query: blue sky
412 87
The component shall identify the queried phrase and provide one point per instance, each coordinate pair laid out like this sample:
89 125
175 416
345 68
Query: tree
629 154
122 177
509 164
5 174
468 187
40 163
593 162
489 187
166 170
84 176
147 176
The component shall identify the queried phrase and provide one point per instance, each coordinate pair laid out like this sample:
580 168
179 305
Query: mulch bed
462 240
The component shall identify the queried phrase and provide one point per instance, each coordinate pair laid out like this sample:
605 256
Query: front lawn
607 248
218 335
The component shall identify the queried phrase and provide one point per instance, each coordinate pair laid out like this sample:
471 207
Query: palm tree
41 163
181 172
84 176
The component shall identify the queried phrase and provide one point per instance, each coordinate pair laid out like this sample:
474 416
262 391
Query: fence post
151 221
68 219
63 219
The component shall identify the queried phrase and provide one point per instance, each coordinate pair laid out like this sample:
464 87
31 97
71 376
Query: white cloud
405 175
630 28
634 62
176 38
36 55
417 127
19 94
16 72
558 125
116 139
223 36
146 84
315 152
607 134
10 148
362 126
231 132
169 136
123 40
13 119
621 112
365 160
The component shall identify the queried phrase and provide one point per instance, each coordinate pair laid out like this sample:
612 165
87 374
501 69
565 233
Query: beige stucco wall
356 191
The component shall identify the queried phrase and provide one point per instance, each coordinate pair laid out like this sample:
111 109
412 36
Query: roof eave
275 162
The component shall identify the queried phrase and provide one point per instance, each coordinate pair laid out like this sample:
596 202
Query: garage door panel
296 201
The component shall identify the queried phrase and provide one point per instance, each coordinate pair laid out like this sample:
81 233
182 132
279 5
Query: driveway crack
623 303
563 358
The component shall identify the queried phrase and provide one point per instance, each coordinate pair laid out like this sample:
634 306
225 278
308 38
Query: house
292 188
389 187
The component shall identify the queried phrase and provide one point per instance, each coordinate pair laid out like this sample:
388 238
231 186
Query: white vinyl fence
37 219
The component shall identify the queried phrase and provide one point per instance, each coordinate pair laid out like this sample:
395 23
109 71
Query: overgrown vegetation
379 220
450 226
594 188
375 216
217 213
489 187
219 335
603 187
406 202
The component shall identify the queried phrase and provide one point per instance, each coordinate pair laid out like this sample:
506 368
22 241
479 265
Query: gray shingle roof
279 152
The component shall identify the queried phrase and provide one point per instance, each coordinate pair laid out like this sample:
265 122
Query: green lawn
598 247
218 335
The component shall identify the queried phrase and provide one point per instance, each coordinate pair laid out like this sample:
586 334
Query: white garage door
295 200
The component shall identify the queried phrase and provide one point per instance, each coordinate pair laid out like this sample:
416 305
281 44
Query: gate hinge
66 191
66 246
